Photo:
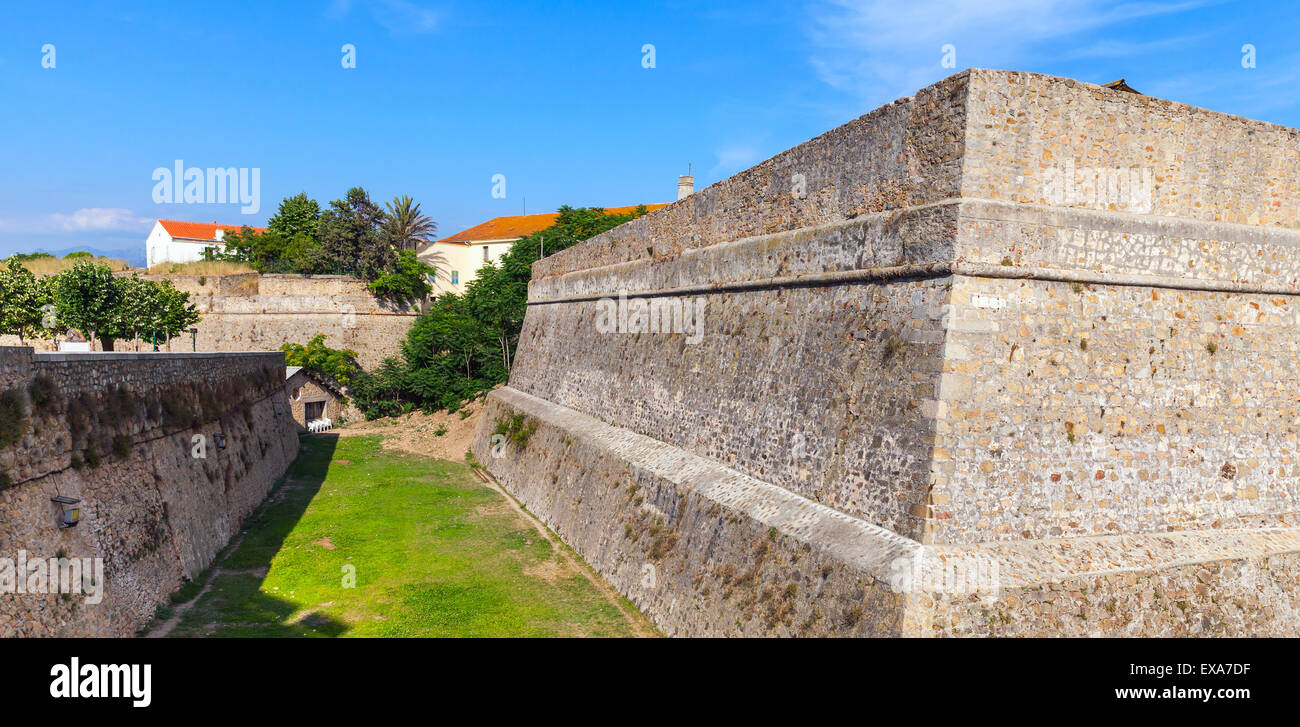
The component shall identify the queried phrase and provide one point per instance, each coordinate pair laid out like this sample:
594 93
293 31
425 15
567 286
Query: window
297 393
485 253
455 277
314 410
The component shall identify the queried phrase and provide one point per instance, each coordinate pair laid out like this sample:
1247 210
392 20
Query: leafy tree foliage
22 298
338 364
354 236
297 215
407 281
89 298
351 236
406 227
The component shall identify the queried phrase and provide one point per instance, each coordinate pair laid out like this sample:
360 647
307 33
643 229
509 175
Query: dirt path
417 432
161 630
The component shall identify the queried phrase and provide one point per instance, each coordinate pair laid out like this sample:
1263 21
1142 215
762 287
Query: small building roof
1120 85
513 227
200 230
289 371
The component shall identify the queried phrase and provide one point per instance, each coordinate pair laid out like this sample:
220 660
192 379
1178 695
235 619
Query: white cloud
884 49
732 158
86 219
399 17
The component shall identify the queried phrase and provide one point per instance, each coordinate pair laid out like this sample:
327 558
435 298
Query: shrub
43 394
177 408
79 415
407 281
122 445
120 407
5 479
92 456
13 418
517 428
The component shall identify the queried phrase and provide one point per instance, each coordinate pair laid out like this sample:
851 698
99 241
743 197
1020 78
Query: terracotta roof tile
199 230
516 226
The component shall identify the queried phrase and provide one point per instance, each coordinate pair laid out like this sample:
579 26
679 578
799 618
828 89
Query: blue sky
552 95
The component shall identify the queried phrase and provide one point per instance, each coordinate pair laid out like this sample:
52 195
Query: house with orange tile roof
182 242
461 255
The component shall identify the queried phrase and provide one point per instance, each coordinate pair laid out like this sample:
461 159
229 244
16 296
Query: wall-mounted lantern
220 439
70 513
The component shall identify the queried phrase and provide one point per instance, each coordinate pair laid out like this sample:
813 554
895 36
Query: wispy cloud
86 219
399 17
733 158
883 49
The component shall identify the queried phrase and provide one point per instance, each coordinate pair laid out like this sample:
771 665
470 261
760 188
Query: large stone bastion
1014 356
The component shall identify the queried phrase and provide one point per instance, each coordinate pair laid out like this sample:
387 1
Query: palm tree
408 228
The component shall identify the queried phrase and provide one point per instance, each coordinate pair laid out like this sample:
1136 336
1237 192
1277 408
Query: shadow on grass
235 605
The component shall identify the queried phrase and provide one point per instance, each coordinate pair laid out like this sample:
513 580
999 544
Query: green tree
339 364
87 297
165 311
23 298
297 215
352 239
140 309
407 281
406 227
133 312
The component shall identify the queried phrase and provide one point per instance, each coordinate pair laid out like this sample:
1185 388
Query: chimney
685 184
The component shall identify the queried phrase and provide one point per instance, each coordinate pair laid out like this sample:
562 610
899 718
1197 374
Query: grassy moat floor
434 552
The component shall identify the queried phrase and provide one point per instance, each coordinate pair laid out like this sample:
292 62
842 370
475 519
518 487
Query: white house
182 242
460 256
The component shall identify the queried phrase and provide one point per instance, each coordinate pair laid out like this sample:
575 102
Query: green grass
436 553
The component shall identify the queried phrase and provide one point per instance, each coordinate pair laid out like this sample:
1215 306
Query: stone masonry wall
116 431
1018 325
263 312
252 312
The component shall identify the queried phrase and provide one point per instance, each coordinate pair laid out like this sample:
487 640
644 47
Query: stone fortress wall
251 312
1018 325
116 431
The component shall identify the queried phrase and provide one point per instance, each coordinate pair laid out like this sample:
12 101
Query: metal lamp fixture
70 513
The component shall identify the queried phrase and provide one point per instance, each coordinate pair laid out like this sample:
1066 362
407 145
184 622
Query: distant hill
133 256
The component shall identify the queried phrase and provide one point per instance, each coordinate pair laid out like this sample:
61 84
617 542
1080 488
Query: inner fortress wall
249 312
254 312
